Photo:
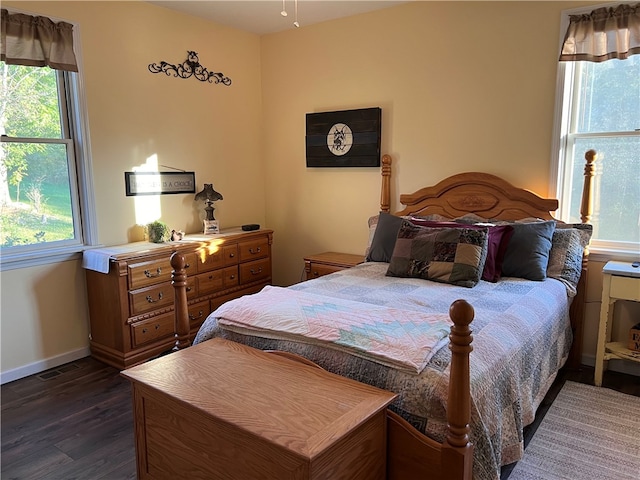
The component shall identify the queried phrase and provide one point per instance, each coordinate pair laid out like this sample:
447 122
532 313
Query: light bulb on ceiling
284 10
295 6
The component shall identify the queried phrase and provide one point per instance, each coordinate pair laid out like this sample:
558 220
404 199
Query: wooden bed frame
411 454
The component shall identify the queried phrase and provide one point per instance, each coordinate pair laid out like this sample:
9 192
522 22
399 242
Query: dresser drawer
190 264
230 254
209 259
198 313
258 248
318 270
151 298
153 329
210 282
254 271
192 290
148 273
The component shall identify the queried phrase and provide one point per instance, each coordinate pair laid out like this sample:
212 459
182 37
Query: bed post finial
385 191
179 282
586 208
457 444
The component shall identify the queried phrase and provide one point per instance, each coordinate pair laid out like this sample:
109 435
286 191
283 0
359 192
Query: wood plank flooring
75 422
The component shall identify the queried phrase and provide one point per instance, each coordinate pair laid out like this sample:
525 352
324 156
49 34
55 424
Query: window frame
75 121
563 141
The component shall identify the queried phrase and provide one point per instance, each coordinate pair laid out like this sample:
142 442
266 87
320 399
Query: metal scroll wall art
190 68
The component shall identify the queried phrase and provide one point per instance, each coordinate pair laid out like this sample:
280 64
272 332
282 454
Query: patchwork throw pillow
567 248
527 254
499 236
447 255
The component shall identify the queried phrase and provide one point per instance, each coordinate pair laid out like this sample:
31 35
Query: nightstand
328 262
620 281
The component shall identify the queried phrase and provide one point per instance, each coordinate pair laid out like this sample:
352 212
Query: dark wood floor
75 422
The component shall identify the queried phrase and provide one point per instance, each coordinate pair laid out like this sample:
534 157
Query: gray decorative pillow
447 255
373 227
527 254
384 238
567 248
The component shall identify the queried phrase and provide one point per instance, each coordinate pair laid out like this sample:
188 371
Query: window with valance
598 107
45 181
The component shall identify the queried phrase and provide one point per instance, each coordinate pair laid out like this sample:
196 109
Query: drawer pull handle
148 274
253 272
316 274
232 255
145 330
232 277
200 315
254 251
188 289
151 300
187 265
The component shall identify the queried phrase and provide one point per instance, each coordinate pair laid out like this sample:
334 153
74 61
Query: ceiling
263 16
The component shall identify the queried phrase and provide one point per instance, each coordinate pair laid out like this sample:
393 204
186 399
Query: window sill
14 261
606 254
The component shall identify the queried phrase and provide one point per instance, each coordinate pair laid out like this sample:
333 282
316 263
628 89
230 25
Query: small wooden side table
328 262
621 281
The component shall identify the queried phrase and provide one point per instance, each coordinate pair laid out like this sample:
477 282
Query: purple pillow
499 236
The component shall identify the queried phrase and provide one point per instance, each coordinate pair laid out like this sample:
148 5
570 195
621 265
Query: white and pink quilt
404 339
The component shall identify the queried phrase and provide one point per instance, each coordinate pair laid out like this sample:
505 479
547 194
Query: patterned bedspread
521 335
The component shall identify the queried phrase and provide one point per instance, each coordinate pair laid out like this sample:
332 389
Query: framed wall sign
159 183
347 138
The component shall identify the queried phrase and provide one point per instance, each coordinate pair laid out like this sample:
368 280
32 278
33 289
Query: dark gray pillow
384 238
527 254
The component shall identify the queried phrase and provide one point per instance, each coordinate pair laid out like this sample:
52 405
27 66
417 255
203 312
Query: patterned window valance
37 42
603 34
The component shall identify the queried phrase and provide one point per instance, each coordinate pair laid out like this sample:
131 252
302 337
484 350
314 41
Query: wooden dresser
132 306
222 410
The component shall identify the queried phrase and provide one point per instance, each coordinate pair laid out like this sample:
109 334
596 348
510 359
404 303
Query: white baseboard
620 366
42 365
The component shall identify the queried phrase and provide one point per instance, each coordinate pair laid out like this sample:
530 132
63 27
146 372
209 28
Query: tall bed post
576 310
179 282
385 190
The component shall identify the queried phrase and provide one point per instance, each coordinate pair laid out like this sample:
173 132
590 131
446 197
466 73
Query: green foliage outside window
35 196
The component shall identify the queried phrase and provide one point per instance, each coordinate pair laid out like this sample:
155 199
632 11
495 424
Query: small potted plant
157 232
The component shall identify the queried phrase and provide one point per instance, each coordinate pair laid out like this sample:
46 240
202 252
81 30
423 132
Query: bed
460 410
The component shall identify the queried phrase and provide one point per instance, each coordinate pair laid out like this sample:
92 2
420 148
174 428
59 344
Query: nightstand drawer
318 270
627 288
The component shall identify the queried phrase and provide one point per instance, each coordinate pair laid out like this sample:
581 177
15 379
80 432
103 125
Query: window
45 180
599 108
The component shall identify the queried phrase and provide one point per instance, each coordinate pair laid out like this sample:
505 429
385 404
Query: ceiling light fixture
284 10
295 5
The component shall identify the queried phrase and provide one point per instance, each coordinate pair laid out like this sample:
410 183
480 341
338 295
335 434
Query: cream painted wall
481 101
213 130
479 111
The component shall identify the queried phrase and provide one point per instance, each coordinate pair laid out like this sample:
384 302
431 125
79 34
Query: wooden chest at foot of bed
221 410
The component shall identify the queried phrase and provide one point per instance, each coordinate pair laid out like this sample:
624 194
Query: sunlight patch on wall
147 207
